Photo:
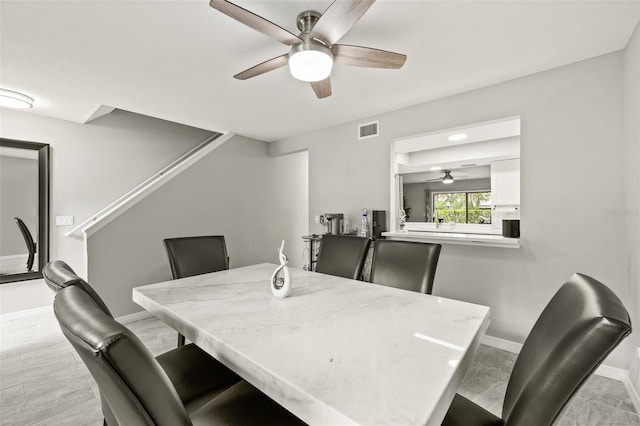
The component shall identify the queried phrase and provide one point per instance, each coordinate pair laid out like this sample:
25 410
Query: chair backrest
582 323
26 234
405 264
58 275
342 255
190 256
130 380
28 240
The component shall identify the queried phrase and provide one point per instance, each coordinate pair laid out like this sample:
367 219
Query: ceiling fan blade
322 87
338 19
266 66
367 57
256 22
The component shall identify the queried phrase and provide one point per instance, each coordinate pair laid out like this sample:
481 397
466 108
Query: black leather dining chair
134 384
28 240
407 265
197 376
58 275
581 325
342 255
189 256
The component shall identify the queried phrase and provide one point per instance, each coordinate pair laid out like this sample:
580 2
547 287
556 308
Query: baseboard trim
613 373
505 345
604 370
633 393
134 317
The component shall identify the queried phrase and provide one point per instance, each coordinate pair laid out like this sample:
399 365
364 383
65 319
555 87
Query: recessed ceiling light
11 99
457 137
436 168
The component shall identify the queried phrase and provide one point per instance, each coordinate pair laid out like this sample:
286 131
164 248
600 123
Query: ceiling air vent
368 130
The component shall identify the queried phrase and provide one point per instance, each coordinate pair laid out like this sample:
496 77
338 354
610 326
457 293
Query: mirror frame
43 207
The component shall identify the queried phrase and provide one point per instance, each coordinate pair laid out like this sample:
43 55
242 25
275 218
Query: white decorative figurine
403 220
281 285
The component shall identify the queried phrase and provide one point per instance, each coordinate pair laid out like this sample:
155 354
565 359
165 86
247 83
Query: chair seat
463 412
197 376
244 405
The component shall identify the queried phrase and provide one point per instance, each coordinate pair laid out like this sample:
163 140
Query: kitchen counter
454 238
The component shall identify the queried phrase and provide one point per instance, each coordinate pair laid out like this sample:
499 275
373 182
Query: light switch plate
64 220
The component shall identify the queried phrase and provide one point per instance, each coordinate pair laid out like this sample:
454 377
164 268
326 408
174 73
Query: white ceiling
175 59
476 132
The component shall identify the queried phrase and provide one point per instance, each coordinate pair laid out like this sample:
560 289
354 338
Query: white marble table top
336 351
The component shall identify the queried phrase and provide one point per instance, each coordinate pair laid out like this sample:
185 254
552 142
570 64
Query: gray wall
631 218
238 191
571 144
92 165
19 198
288 207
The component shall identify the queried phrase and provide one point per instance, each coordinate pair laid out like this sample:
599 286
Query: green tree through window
463 207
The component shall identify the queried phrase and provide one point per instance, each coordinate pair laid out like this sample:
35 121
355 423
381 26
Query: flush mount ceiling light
447 177
11 99
457 137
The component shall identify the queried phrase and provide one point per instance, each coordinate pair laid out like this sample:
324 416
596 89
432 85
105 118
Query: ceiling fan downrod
306 20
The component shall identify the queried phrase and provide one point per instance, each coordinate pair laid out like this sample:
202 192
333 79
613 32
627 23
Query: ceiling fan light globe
447 180
310 65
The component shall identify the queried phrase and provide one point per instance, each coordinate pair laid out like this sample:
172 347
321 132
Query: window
462 207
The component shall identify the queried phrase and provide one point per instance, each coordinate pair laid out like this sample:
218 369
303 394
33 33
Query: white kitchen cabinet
505 182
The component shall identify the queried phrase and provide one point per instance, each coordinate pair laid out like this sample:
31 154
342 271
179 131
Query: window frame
466 203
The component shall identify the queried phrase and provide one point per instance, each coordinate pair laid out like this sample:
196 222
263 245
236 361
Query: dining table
336 351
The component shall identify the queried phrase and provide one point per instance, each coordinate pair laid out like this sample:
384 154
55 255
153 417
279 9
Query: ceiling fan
314 50
447 178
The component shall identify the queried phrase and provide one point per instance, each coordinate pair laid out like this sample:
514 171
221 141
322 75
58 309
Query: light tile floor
44 382
600 402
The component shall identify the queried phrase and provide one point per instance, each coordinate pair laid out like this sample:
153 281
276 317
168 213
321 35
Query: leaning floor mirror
24 209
